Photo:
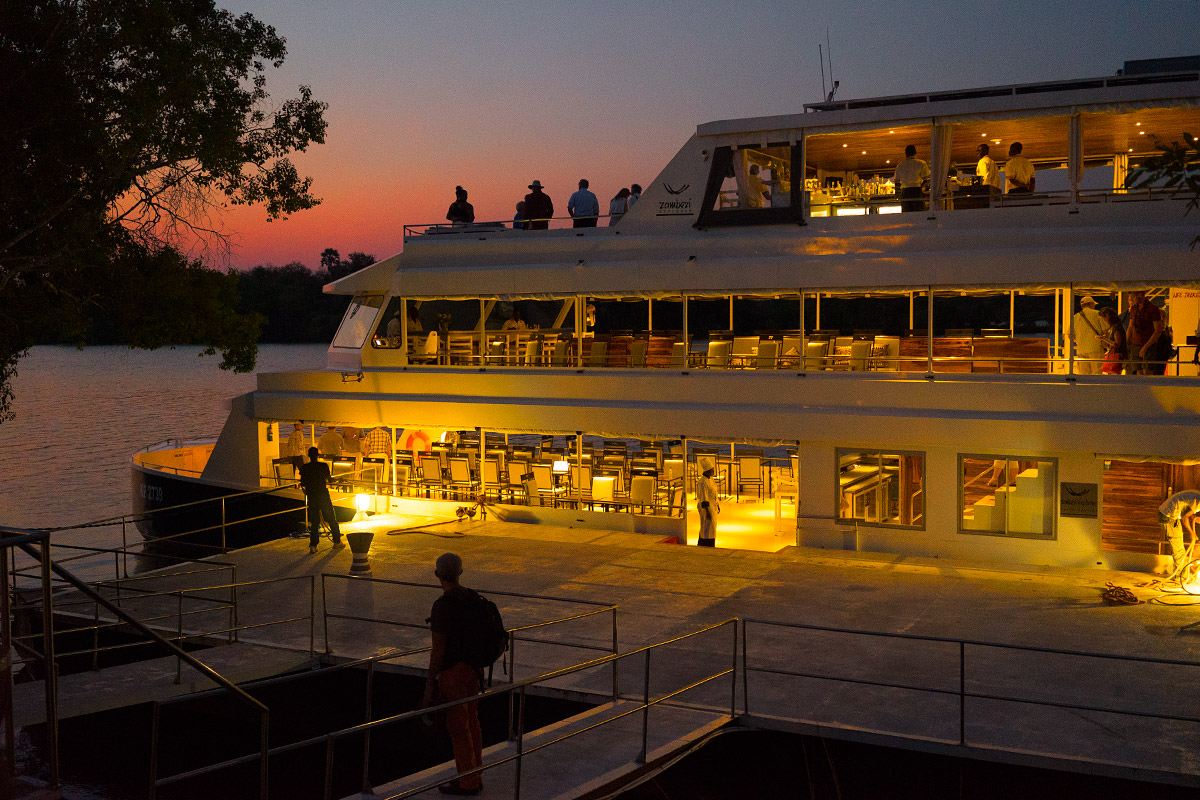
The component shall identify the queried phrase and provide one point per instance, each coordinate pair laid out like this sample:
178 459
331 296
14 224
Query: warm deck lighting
361 503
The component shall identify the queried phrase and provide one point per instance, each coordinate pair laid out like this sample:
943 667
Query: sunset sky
490 95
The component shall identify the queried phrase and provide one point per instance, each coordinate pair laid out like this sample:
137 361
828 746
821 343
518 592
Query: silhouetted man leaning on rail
314 480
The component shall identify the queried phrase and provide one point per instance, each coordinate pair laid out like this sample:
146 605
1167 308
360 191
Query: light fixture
352 377
361 503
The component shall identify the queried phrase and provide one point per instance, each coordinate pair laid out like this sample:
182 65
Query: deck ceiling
1045 139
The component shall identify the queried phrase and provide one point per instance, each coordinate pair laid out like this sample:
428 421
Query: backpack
484 638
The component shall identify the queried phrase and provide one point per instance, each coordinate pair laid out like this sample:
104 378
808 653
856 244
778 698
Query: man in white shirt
986 169
1176 515
1086 328
911 173
583 206
1018 172
707 504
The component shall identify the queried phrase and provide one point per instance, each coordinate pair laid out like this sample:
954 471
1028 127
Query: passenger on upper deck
539 208
617 207
514 323
460 210
911 174
635 191
1087 331
1145 327
520 221
414 321
330 443
1018 172
583 206
986 170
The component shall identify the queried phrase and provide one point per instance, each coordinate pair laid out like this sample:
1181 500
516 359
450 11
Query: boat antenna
829 55
821 58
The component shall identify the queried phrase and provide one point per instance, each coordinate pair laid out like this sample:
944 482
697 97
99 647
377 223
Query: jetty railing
519 635
513 689
956 686
35 544
170 610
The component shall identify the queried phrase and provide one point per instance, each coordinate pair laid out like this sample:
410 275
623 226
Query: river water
81 414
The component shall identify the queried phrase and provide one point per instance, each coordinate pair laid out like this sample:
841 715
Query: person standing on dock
707 504
314 479
451 677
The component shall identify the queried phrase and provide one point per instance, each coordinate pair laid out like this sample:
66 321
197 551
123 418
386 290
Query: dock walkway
665 590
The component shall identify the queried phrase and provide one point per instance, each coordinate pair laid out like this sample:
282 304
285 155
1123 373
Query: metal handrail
516 688
961 692
25 541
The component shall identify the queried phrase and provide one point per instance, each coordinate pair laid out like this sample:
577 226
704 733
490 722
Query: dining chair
597 354
461 481
768 353
642 492
637 353
750 473
718 354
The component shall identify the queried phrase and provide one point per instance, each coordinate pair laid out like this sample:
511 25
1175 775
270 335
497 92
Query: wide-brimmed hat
1087 300
535 185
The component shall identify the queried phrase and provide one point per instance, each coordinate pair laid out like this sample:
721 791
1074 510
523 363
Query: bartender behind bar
911 174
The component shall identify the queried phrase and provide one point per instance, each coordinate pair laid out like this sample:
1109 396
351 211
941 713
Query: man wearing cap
1086 332
451 678
707 504
539 208
583 206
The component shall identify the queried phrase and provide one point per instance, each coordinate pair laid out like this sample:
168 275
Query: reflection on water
81 414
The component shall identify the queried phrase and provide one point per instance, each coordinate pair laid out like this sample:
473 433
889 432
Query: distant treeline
289 300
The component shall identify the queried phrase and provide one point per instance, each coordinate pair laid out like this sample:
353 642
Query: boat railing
963 690
495 226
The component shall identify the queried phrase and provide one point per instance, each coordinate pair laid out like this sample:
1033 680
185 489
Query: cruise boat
886 374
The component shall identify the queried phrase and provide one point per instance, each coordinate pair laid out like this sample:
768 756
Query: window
885 489
751 185
358 322
1007 495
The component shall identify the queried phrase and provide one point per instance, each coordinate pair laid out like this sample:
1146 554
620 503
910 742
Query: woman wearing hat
707 504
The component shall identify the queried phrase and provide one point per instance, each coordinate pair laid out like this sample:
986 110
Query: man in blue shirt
583 206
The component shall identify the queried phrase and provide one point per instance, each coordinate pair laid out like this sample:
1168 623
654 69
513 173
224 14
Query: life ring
416 440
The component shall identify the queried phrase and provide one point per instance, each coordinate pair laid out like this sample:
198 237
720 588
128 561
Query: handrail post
124 547
962 693
641 759
511 657
96 633
327 790
179 637
367 711
325 611
154 729
224 544
264 767
520 743
616 688
312 616
51 687
733 673
745 670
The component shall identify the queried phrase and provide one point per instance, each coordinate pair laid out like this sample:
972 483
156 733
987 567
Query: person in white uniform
910 176
986 169
1087 330
1178 514
707 504
1019 175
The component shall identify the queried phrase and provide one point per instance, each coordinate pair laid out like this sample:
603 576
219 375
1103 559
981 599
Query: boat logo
676 207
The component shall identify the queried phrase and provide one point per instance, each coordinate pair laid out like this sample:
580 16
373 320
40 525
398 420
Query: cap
1087 300
448 567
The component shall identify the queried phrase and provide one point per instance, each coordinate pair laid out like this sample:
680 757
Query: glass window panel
1007 495
358 322
881 488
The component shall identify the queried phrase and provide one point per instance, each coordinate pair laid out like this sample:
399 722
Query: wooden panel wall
1131 495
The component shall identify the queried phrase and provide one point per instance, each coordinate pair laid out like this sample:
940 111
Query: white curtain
939 154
